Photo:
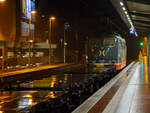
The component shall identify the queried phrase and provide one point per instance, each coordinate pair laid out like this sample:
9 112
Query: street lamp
50 36
30 40
2 0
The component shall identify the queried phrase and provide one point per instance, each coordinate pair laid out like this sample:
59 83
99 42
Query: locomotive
108 50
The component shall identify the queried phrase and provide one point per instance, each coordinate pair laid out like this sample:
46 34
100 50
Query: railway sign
141 44
102 52
132 30
67 26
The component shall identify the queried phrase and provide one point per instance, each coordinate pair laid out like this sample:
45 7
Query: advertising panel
25 29
27 6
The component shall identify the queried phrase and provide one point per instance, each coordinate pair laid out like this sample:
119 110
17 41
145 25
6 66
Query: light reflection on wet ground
13 101
145 71
137 94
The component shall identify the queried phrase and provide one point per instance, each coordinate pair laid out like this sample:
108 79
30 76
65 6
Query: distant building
14 21
14 25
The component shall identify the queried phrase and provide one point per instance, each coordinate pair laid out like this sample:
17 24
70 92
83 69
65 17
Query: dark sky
83 12
58 6
88 7
91 18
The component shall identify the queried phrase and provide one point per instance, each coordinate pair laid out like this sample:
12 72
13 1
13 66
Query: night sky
90 18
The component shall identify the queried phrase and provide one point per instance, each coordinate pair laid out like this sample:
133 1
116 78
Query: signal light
141 43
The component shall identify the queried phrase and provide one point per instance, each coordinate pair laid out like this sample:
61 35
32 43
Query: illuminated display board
132 30
27 6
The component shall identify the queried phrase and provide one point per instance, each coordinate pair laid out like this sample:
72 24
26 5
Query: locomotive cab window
109 42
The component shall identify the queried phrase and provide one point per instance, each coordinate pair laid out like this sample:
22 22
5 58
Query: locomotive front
110 51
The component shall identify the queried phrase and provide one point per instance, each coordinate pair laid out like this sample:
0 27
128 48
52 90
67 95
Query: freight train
108 50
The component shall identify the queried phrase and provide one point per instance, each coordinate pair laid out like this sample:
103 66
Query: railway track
74 92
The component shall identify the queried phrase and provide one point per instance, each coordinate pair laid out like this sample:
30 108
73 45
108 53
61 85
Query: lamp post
30 40
3 49
50 36
30 19
64 45
66 27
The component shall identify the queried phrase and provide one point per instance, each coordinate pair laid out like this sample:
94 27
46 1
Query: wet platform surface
99 101
129 94
136 98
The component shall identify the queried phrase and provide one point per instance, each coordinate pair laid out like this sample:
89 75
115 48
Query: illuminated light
1 111
124 8
133 16
52 18
65 44
145 69
142 71
132 30
33 12
124 39
28 96
43 16
130 20
132 25
121 3
51 94
141 43
118 66
27 7
136 34
2 0
31 41
126 12
66 77
30 102
134 11
53 80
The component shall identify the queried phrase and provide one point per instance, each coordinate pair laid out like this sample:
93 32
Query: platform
21 71
128 92
136 98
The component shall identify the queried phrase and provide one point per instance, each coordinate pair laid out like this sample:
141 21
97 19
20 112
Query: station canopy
140 14
136 11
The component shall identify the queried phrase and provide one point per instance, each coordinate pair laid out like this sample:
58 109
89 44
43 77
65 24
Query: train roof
109 35
103 35
114 35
